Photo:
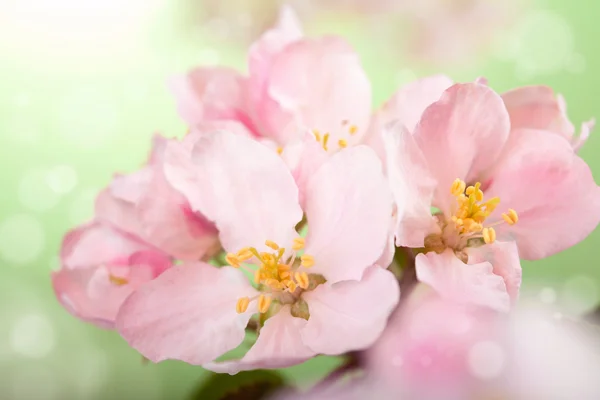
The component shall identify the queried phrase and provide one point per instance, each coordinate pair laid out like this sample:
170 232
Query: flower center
277 276
342 143
467 225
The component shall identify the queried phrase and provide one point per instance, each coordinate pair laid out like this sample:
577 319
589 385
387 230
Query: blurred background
82 90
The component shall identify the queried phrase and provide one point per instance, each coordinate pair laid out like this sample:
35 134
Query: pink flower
295 85
146 205
142 223
101 266
319 294
535 176
436 349
537 107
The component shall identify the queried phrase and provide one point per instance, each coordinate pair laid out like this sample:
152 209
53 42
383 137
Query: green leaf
247 385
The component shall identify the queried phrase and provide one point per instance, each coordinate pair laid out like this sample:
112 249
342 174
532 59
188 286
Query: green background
81 93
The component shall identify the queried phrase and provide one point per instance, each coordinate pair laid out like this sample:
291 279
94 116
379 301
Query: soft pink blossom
101 266
492 185
330 299
435 349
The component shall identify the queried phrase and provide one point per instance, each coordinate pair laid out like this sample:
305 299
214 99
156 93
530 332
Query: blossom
101 266
319 294
499 192
438 349
141 225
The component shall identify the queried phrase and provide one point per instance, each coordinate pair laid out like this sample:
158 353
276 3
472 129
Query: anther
242 305
307 260
353 129
279 150
244 254
117 280
302 279
257 276
292 286
317 135
511 217
264 302
489 235
298 244
233 260
342 143
272 244
325 140
284 275
458 187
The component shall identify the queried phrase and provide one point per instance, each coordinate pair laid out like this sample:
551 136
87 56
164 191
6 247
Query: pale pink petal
304 157
169 223
537 107
586 128
208 94
248 191
349 210
457 281
461 135
118 212
95 244
552 190
390 248
350 315
408 104
179 168
321 84
279 345
504 257
188 314
412 186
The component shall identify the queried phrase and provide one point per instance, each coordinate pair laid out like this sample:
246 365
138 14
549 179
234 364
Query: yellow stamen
298 244
233 260
272 244
283 275
307 260
244 254
279 150
458 187
264 302
257 276
117 280
353 129
325 140
242 305
511 217
342 143
292 286
317 135
489 235
302 279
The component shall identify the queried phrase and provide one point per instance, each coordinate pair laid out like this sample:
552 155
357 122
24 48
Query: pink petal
457 281
118 212
549 186
412 186
350 315
304 157
179 168
461 135
586 128
95 244
322 85
188 314
89 293
408 104
169 224
537 107
207 94
349 209
248 191
504 257
279 345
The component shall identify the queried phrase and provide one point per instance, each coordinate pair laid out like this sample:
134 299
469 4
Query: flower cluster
290 214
